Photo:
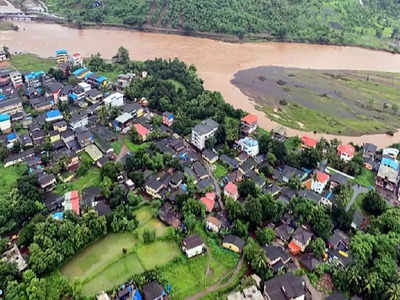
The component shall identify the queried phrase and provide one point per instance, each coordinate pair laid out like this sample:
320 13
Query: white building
202 132
115 100
3 56
193 245
78 120
85 86
249 145
5 123
319 181
16 79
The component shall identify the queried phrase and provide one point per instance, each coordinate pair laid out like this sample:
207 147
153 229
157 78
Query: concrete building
114 100
202 132
249 146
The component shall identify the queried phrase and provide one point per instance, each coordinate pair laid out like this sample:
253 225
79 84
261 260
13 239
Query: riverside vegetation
370 23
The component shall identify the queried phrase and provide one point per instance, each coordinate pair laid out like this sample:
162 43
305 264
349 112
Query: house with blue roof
54 115
5 123
387 179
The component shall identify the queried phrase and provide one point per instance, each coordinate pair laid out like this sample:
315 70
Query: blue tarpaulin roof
88 74
33 75
53 113
390 162
137 296
79 71
100 79
2 97
58 215
73 96
4 117
61 51
11 136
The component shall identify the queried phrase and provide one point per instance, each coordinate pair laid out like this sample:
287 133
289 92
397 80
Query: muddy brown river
216 61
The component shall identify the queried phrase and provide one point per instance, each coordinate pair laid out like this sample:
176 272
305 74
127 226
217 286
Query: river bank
216 61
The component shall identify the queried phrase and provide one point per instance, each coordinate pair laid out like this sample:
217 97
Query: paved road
357 189
218 286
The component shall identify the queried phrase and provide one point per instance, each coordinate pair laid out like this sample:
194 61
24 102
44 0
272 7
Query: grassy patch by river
327 101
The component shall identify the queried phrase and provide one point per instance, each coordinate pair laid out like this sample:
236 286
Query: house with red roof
319 181
72 201
300 240
209 201
346 152
308 142
231 190
249 124
142 131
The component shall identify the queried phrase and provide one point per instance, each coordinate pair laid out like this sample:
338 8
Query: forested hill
373 23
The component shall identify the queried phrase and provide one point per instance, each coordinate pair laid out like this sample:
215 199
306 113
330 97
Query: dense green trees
54 241
349 22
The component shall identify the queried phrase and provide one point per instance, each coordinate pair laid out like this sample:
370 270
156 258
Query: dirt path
218 286
123 152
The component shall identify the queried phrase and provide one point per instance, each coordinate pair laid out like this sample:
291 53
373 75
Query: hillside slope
372 23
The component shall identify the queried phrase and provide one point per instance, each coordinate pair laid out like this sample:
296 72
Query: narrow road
218 286
216 184
357 189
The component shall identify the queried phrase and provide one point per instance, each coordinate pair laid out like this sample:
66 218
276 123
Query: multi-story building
387 179
114 100
249 124
249 146
16 79
10 106
202 132
61 56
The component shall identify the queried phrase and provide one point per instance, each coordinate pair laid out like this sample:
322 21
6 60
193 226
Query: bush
149 236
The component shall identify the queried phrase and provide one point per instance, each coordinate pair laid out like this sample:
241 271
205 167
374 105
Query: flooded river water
216 61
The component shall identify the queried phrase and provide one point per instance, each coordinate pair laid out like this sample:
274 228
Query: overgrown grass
91 178
9 177
103 265
31 62
220 171
367 178
189 276
117 146
135 147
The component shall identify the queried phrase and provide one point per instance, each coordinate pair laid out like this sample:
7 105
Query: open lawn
337 102
91 178
220 171
135 147
30 62
103 265
117 146
9 177
366 178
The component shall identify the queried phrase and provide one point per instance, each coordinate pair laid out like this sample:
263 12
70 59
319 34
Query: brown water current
216 61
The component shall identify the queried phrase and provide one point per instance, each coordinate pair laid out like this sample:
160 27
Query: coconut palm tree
393 292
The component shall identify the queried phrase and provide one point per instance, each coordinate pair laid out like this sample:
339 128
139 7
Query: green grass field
30 62
117 146
135 147
9 177
366 178
189 277
103 265
220 171
91 178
